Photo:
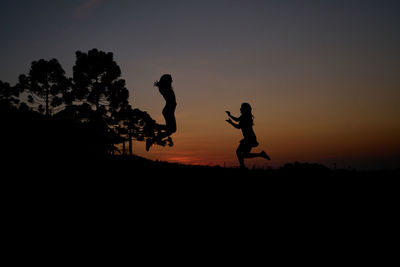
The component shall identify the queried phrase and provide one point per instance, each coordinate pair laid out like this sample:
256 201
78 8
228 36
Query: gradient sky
323 77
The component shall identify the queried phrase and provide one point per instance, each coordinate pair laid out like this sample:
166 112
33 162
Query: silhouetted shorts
246 145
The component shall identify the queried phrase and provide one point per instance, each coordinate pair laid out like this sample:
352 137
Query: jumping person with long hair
165 87
249 141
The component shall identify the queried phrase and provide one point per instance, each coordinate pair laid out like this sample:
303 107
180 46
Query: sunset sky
323 77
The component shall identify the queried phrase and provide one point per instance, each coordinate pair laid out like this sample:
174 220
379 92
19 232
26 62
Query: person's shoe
264 155
149 143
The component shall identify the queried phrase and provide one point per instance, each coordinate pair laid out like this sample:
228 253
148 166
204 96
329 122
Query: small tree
138 125
9 94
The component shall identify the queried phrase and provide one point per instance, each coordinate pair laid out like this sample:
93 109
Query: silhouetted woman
249 141
165 87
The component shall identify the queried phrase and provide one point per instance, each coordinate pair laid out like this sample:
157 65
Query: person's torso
169 97
247 129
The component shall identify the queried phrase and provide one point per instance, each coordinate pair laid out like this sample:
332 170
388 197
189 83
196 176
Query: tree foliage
97 82
46 85
9 94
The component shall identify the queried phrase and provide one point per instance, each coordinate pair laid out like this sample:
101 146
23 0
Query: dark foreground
160 198
131 173
134 168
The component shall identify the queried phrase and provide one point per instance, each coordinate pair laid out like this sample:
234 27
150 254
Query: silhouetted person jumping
249 141
165 87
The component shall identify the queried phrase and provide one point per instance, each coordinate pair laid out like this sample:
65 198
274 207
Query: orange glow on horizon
184 160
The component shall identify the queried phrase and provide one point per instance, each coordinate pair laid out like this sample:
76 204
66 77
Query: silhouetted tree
14 118
46 85
99 89
131 125
97 82
137 124
9 94
99 92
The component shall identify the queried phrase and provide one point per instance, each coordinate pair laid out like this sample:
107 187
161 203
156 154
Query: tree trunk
47 102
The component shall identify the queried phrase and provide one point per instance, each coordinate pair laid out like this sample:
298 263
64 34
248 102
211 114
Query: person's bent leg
239 154
262 154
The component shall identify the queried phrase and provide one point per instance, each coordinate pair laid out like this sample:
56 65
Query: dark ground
149 204
121 173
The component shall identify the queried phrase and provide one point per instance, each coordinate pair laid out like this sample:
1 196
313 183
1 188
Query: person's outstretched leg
264 155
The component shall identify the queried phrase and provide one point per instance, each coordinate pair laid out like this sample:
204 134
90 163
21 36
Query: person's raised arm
233 124
232 117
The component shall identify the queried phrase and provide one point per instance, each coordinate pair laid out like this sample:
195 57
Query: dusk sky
323 77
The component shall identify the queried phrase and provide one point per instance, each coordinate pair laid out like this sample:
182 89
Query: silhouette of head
245 109
164 82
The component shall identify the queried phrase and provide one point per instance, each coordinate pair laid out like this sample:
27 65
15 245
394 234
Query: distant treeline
47 114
